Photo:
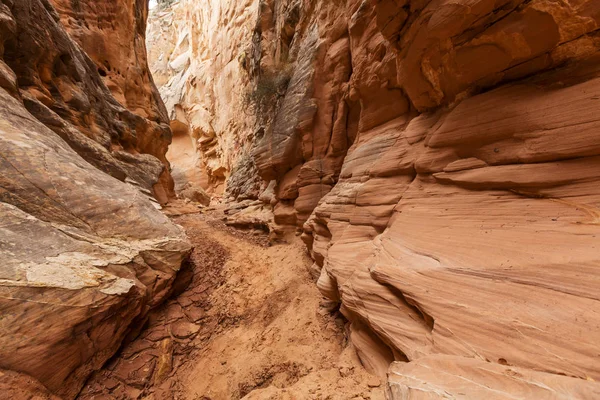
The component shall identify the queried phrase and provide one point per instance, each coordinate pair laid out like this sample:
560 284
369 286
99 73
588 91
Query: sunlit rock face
442 160
85 254
198 52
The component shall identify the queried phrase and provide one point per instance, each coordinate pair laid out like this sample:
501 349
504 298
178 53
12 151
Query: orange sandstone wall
442 161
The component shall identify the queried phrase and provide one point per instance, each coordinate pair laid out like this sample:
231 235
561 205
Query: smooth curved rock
441 377
442 159
199 56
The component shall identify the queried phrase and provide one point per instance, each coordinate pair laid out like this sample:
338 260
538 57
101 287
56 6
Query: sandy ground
248 326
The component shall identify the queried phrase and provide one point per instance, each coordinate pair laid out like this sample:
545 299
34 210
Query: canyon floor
248 325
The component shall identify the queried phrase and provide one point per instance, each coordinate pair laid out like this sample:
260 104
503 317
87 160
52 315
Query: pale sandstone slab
446 377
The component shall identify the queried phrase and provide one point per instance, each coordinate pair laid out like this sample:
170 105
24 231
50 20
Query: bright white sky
153 4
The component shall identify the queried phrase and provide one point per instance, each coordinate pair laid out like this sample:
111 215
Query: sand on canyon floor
249 326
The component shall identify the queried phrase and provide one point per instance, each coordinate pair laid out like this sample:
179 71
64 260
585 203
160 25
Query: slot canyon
299 199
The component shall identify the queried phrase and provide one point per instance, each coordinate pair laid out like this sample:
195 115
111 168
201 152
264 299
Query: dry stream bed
248 325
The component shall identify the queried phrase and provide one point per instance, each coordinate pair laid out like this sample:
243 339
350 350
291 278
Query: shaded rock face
126 136
442 160
85 254
463 219
119 51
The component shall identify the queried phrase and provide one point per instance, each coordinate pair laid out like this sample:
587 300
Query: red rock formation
85 254
463 219
113 34
442 160
132 124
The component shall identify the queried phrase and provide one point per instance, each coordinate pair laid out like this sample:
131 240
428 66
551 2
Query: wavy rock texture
444 377
442 159
462 225
85 254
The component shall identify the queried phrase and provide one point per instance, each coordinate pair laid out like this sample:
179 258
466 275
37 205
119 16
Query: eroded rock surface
441 158
85 253
112 34
245 328
199 56
444 377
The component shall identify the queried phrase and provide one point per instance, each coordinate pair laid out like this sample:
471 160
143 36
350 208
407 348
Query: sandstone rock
285 214
244 183
164 364
187 171
85 254
184 329
374 382
464 217
254 216
18 386
198 52
68 92
196 194
89 276
288 186
268 196
442 159
469 378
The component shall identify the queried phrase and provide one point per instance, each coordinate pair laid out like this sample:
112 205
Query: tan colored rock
184 329
196 194
285 214
467 378
268 195
112 34
198 52
288 186
252 216
18 386
85 256
164 364
373 382
445 219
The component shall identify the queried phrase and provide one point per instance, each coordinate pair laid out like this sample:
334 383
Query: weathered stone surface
112 33
85 254
199 59
442 159
196 194
18 386
444 376
470 230
60 86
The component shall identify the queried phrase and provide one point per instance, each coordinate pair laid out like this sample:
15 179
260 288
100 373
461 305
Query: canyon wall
199 53
83 136
442 161
112 34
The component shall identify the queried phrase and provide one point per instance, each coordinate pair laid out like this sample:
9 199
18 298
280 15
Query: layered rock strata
441 159
112 33
463 220
85 254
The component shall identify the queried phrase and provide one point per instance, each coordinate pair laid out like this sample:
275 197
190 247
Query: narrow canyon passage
299 199
247 325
